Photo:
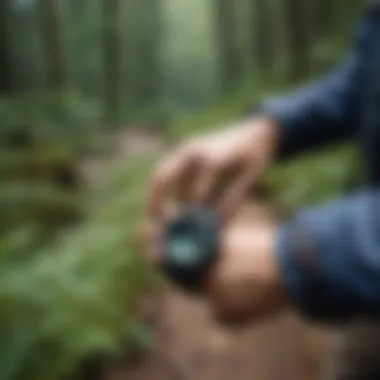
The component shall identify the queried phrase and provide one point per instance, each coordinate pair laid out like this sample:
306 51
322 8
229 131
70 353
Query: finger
162 186
237 194
206 183
185 183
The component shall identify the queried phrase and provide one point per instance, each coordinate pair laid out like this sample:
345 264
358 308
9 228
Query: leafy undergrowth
76 297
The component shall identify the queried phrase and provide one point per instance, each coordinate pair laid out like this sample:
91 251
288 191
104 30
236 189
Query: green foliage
76 297
313 178
39 182
67 118
46 205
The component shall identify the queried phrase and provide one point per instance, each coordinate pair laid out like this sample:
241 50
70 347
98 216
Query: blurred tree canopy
74 71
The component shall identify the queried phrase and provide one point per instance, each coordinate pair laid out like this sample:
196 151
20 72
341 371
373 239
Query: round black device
190 247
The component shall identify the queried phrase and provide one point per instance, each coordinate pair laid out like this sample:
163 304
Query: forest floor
190 346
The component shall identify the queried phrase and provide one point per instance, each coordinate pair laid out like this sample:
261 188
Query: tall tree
5 53
148 51
226 32
323 13
112 60
298 30
54 47
78 8
263 34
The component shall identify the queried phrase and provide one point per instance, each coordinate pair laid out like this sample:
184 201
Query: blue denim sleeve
329 257
318 113
328 109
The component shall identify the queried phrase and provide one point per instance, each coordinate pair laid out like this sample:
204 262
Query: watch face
184 251
190 247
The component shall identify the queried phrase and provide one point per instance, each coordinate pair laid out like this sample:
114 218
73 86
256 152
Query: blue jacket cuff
293 273
282 111
312 271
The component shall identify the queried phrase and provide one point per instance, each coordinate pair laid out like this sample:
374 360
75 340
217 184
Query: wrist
248 285
270 267
268 131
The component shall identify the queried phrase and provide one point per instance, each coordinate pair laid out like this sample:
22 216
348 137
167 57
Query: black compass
190 245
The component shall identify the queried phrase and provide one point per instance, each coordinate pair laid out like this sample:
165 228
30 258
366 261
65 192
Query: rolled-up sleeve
329 257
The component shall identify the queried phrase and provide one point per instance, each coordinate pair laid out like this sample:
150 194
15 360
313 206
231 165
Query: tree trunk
78 8
55 54
323 13
298 38
226 31
5 53
148 53
112 60
263 39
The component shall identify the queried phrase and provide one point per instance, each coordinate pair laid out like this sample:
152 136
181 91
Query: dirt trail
191 347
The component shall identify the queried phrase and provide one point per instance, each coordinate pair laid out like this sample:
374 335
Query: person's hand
245 285
191 174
